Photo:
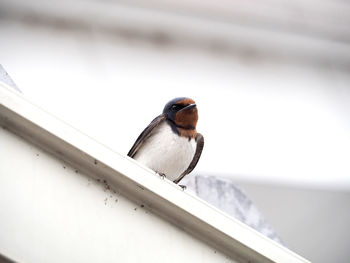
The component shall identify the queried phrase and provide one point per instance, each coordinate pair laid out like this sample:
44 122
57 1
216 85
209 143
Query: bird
170 145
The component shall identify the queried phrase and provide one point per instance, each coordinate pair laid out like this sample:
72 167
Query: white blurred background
271 80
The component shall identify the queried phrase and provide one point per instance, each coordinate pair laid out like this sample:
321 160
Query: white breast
166 152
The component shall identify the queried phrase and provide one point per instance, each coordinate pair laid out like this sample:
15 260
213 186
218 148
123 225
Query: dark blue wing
145 134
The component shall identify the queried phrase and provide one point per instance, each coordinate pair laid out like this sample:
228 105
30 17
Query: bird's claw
162 175
183 187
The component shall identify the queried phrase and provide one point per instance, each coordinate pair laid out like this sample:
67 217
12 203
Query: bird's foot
183 187
162 175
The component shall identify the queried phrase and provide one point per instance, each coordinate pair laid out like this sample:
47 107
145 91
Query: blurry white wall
271 80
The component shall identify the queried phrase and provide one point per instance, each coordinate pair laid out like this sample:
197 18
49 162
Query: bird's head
182 112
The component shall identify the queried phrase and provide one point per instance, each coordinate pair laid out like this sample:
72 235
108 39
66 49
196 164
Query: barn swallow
170 145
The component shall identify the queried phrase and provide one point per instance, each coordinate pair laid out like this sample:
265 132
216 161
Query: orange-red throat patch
190 134
187 118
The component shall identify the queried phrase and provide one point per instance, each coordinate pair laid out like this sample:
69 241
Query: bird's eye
174 107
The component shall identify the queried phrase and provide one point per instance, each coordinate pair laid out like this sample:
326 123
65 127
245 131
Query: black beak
188 107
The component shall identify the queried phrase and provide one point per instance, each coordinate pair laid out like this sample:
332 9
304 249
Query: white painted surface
55 202
50 213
